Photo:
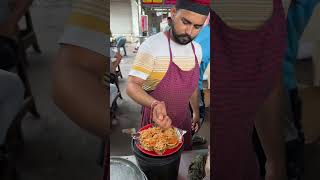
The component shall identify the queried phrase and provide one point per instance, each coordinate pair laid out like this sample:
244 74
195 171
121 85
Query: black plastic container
158 168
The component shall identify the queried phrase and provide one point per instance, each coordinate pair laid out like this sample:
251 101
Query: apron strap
168 36
277 6
194 52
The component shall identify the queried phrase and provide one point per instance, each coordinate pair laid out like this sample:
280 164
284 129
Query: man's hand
139 95
275 171
160 117
195 123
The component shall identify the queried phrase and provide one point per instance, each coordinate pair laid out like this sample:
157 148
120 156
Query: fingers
167 122
197 127
160 116
163 110
160 111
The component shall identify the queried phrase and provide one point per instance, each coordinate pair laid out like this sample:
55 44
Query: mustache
181 38
184 36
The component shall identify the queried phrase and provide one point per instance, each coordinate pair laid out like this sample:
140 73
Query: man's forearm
194 101
83 99
270 129
139 95
79 92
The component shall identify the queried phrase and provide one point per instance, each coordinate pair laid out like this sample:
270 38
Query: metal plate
122 169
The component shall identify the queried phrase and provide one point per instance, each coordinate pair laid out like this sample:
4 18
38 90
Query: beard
182 39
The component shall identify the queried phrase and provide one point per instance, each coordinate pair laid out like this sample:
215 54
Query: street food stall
151 160
155 153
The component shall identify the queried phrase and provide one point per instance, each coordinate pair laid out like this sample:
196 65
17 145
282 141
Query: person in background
11 87
164 23
204 40
168 27
299 14
115 61
165 74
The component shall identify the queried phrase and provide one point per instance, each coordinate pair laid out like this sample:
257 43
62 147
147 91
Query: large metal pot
122 169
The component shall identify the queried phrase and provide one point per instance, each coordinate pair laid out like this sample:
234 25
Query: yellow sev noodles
158 140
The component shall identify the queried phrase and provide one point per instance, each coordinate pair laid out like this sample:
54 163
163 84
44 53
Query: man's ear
173 12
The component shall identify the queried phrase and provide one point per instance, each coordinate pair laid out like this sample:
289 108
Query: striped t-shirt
88 26
153 58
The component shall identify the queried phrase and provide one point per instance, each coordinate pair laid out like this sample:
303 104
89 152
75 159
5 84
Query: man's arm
269 125
194 102
137 93
140 96
78 89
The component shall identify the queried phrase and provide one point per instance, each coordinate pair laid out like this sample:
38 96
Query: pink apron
175 89
246 66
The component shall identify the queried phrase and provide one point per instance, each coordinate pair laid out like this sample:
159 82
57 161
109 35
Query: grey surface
122 169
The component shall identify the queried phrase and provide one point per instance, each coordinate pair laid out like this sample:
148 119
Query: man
299 15
111 80
204 40
168 27
80 66
165 73
115 61
11 87
164 23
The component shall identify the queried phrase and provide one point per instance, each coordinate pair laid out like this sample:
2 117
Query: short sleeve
88 26
144 62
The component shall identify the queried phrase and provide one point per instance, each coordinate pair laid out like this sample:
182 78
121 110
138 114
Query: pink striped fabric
246 65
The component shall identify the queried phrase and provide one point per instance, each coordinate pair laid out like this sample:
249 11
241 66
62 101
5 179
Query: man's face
186 25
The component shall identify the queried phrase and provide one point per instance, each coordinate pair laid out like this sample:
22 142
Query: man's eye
185 22
197 27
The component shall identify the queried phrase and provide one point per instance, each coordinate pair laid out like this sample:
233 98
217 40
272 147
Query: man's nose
189 30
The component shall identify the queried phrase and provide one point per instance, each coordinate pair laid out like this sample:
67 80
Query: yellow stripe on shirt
89 22
157 70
